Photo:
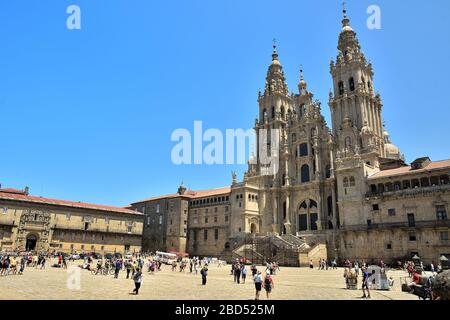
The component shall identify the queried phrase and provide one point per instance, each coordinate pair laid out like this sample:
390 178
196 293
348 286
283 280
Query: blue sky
87 114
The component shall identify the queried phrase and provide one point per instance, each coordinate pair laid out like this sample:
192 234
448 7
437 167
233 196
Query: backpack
267 281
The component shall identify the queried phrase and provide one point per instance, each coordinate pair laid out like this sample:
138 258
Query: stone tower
355 108
358 134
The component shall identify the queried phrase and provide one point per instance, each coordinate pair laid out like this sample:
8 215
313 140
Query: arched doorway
253 228
31 242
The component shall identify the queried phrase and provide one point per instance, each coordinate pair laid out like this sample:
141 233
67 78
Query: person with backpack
268 284
137 278
204 273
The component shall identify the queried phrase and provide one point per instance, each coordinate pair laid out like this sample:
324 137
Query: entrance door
31 242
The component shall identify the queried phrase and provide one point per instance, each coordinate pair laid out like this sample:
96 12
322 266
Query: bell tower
355 108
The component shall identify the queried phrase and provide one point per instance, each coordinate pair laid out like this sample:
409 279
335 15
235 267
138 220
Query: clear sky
87 115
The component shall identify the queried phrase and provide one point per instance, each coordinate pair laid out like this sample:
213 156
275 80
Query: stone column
287 223
274 214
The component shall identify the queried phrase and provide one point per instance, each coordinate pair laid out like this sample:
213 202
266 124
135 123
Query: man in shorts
258 284
365 283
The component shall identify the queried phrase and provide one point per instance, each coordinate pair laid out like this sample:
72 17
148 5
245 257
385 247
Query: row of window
215 210
206 219
205 234
351 85
410 184
441 213
349 182
73 236
209 201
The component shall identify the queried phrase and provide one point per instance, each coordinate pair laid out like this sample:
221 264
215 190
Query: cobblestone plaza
290 284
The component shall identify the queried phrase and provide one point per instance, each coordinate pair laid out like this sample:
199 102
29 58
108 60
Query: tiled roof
435 165
64 203
190 194
11 190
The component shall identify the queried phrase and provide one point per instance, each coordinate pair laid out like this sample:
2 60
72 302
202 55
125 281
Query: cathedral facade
346 187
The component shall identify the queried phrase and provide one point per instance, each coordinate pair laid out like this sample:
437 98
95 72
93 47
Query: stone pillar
287 223
274 214
308 218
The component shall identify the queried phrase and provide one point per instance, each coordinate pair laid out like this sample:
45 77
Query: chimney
27 191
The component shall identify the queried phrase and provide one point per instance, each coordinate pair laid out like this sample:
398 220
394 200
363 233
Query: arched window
312 204
264 115
301 110
328 171
273 112
351 84
348 142
305 173
303 150
346 184
352 181
341 88
330 206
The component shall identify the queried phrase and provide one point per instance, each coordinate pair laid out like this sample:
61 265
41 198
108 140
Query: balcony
409 192
97 230
398 225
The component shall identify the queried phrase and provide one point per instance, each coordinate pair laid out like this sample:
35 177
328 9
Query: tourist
268 284
99 266
257 278
311 264
23 261
432 267
118 267
334 264
5 266
204 273
243 273
12 265
43 263
415 280
237 273
137 278
254 270
356 268
365 283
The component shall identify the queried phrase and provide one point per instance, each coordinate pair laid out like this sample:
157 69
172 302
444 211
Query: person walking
118 266
237 274
244 273
137 278
268 284
23 261
257 279
365 283
204 273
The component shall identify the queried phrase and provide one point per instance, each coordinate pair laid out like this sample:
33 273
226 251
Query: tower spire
274 54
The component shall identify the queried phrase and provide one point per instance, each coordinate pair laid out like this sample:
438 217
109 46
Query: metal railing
409 191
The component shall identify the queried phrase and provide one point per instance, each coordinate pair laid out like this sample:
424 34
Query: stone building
36 223
346 187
